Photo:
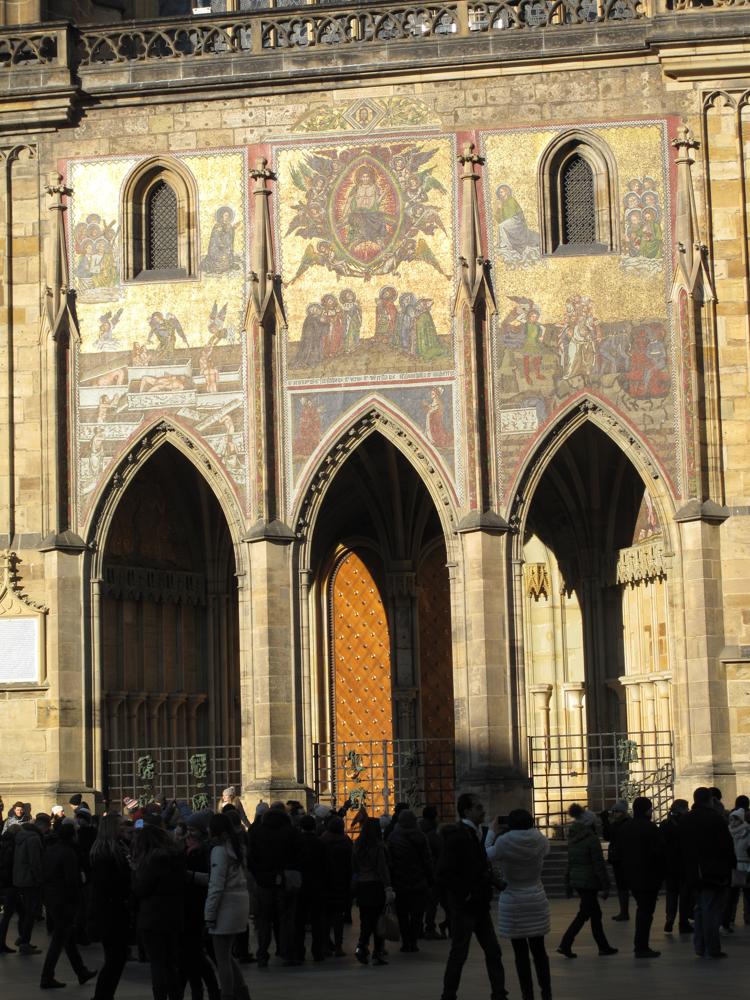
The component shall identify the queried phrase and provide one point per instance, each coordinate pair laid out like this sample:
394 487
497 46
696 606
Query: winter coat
612 831
159 886
708 849
371 865
671 838
198 866
274 848
434 840
61 873
27 858
740 833
338 866
228 901
463 870
642 850
111 894
523 907
410 860
312 864
586 868
7 852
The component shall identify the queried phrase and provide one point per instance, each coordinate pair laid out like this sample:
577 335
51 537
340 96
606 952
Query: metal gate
377 774
195 775
597 769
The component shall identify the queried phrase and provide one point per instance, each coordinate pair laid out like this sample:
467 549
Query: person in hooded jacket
679 896
61 872
111 902
411 876
274 858
740 831
523 907
587 875
338 879
159 887
227 904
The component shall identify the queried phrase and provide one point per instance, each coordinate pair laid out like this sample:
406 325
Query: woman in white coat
227 904
523 907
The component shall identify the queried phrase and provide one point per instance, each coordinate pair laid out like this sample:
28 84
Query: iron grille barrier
597 769
380 773
194 774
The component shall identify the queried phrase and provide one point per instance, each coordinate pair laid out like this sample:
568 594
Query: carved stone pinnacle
469 157
261 173
685 138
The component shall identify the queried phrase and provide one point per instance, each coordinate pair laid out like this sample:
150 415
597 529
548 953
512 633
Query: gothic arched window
578 196
159 212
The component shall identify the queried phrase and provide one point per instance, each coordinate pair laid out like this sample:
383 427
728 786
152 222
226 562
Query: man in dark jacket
709 859
642 853
464 874
338 880
679 894
27 880
309 908
62 888
411 876
275 863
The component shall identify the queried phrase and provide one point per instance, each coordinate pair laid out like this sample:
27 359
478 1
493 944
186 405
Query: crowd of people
199 894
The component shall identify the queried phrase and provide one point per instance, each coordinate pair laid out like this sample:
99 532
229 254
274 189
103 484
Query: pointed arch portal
168 636
382 655
594 622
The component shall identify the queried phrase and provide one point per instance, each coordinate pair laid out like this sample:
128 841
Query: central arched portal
384 679
169 638
595 624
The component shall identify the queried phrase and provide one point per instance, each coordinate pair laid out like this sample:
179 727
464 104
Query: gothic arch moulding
370 418
538 459
137 189
595 152
162 432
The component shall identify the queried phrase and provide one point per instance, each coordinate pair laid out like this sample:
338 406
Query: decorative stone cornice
537 581
641 562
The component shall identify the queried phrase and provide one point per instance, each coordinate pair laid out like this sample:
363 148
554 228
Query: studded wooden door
436 679
361 659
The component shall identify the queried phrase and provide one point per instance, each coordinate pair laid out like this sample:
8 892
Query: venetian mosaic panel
595 324
148 348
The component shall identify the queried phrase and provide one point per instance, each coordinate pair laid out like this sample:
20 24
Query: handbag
387 925
739 879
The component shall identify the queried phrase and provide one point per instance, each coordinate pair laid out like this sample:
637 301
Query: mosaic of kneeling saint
159 347
574 325
365 232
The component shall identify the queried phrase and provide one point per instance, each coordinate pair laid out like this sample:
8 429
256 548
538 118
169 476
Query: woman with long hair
373 889
227 904
110 902
159 880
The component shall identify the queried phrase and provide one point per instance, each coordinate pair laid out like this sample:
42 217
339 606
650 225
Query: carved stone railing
264 31
30 49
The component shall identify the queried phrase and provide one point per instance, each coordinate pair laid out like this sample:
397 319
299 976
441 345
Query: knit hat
321 811
57 810
200 820
620 806
407 819
130 804
262 807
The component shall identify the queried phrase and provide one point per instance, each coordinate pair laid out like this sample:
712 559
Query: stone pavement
419 977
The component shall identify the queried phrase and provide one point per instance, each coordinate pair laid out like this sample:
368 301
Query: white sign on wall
19 650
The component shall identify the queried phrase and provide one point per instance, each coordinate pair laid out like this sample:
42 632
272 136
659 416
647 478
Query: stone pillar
663 687
540 695
114 701
270 760
574 692
154 703
194 702
134 702
486 723
174 704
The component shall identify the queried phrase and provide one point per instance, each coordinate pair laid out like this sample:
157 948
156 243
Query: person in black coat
613 823
708 851
195 967
679 895
642 852
61 874
274 856
411 876
429 827
111 902
159 881
338 880
309 908
464 875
